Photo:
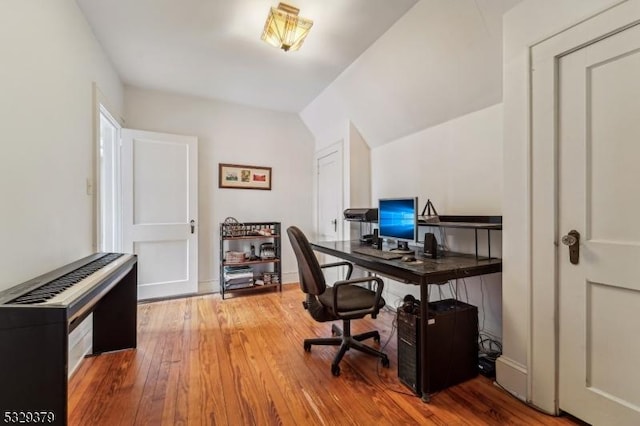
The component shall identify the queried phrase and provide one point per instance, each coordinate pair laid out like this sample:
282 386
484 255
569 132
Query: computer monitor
398 220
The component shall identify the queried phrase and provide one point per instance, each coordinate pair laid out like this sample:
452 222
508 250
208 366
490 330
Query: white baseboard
512 376
210 286
80 344
290 277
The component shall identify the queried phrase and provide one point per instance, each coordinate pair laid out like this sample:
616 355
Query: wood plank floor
204 361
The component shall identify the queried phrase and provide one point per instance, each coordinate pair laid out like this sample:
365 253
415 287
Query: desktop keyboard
381 254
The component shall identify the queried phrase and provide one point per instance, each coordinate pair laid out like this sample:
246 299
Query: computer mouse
408 258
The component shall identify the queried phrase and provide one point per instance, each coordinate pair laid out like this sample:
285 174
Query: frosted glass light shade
284 29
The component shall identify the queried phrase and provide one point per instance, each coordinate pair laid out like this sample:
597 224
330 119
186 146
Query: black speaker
452 349
377 241
430 245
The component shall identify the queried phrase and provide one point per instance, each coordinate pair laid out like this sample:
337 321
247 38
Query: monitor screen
397 218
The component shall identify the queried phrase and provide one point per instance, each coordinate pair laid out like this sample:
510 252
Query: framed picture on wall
244 177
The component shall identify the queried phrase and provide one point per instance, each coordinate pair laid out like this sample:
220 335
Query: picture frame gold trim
236 176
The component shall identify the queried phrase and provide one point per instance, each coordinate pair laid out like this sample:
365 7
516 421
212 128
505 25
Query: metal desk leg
424 322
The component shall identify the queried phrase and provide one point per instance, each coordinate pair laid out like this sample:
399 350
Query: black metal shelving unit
477 223
235 242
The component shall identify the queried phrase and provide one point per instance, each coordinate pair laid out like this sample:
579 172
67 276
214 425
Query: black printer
366 214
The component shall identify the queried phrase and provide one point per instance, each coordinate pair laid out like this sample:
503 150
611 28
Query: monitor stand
403 248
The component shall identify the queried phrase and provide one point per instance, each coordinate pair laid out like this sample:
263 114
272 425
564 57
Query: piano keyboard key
49 290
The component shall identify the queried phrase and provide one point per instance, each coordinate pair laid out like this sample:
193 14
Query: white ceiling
212 48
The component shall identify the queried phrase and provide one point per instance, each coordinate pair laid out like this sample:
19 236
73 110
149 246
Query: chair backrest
311 276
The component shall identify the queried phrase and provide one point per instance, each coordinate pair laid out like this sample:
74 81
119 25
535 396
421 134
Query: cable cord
488 346
466 289
484 316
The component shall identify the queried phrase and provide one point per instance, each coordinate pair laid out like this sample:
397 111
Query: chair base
346 341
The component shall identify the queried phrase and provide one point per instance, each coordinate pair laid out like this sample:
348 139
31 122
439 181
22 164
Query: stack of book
237 277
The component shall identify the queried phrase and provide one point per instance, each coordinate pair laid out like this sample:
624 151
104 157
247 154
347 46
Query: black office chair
344 301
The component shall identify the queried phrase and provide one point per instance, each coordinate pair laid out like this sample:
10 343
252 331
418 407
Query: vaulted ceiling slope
441 60
212 48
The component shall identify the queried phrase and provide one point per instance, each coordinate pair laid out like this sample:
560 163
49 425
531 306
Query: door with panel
599 200
160 209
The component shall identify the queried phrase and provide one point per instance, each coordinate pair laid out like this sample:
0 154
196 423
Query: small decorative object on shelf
271 278
233 228
249 256
252 255
429 213
267 251
234 257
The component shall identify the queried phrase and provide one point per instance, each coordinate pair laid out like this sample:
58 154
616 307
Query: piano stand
34 354
114 318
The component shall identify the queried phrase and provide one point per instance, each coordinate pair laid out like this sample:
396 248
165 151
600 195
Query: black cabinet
452 351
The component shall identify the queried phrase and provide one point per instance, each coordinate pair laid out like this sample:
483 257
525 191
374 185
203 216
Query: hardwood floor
204 361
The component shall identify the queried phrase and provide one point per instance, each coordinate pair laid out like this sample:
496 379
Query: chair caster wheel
307 347
335 370
385 362
376 338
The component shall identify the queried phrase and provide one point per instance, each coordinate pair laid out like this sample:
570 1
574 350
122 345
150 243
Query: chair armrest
349 266
373 310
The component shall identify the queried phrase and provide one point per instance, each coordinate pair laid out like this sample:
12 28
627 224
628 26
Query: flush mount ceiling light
284 28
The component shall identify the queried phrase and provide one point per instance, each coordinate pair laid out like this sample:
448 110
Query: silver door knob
569 240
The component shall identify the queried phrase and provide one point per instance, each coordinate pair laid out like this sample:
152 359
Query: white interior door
599 172
329 196
330 184
160 208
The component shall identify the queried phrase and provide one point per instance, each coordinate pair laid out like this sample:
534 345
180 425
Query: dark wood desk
427 271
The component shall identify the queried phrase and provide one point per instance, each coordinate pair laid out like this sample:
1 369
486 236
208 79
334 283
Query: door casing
545 235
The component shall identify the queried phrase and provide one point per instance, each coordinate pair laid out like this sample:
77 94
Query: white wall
441 60
358 178
360 170
230 133
525 25
457 165
50 61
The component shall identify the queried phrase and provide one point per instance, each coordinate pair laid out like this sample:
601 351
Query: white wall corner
209 286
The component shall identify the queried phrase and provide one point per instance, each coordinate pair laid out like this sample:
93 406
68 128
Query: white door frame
339 148
103 107
544 232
